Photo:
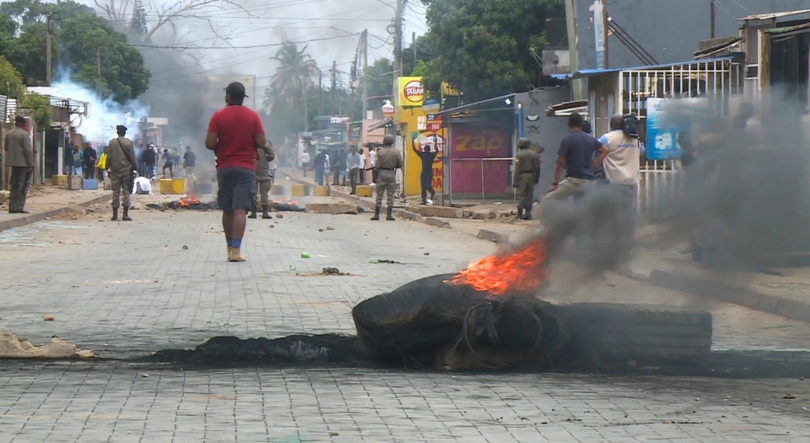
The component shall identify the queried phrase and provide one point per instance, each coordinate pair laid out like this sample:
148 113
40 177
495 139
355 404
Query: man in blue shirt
576 156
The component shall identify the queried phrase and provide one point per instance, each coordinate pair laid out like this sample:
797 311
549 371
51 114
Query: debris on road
48 317
385 262
13 347
333 271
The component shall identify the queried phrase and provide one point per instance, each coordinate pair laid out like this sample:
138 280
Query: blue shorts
237 189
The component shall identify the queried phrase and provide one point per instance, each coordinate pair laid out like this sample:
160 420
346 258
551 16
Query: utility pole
320 91
48 33
334 85
397 45
98 60
413 46
365 74
711 17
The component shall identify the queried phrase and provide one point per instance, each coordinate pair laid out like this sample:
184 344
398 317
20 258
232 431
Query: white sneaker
429 202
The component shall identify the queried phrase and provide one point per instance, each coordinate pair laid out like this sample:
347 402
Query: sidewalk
48 201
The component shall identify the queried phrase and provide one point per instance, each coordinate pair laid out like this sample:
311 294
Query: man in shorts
234 134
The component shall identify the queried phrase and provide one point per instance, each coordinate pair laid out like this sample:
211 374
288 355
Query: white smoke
104 114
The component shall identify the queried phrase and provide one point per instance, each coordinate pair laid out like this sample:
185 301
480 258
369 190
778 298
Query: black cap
120 128
19 119
236 90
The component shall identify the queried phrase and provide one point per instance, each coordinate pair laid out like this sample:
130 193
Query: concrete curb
730 293
33 218
408 215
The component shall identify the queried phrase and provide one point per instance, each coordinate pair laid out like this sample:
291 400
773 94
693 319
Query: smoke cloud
104 114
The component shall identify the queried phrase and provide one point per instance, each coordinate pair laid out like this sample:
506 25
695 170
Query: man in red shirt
234 134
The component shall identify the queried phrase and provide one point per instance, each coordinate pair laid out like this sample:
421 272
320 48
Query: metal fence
481 179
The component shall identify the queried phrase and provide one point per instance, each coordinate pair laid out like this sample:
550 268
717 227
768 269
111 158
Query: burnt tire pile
603 334
433 323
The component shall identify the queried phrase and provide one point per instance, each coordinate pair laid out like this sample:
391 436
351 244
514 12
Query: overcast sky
334 25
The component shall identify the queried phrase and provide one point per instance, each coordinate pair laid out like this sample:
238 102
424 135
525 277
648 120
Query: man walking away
168 163
426 178
388 161
234 134
89 161
265 155
121 162
576 156
527 174
149 160
353 164
189 161
20 158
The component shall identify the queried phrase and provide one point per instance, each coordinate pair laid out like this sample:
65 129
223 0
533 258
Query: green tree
138 22
41 105
123 75
294 73
29 12
10 80
381 78
27 52
481 47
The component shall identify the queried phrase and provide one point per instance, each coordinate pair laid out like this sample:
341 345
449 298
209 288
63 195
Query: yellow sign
411 92
447 91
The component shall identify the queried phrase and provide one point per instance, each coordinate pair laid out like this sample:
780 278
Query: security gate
716 81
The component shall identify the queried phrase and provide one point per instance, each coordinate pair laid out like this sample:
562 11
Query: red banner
469 143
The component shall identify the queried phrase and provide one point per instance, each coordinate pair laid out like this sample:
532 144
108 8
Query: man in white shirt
305 162
353 164
141 185
621 168
372 157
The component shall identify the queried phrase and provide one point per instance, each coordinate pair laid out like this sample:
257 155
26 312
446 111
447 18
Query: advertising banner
470 143
665 119
411 92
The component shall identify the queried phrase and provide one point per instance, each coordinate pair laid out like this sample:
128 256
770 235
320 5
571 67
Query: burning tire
601 333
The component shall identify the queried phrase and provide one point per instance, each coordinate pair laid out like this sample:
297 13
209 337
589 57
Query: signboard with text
471 145
411 92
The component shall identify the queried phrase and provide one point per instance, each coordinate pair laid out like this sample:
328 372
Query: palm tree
293 76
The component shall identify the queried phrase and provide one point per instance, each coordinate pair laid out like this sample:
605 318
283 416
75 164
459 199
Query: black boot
376 213
528 214
265 213
126 214
115 214
390 213
253 212
520 213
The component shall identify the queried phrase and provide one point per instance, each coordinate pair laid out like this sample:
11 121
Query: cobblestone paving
130 289
87 404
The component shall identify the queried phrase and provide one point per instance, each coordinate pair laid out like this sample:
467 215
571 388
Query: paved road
130 289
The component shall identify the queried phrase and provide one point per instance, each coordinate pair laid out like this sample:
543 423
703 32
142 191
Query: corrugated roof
774 15
591 72
470 105
786 29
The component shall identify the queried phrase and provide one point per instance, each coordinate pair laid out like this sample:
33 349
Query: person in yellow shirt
101 166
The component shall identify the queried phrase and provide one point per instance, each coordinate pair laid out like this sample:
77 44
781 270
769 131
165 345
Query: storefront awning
379 125
478 103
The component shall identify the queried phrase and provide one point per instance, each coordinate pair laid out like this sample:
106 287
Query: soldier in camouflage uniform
387 162
527 174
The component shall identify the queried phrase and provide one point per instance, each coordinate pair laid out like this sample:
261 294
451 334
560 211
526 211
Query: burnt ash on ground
332 350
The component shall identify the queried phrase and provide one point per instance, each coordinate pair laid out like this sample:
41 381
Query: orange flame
189 200
523 270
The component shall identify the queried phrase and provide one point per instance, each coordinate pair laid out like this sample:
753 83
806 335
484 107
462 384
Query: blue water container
90 184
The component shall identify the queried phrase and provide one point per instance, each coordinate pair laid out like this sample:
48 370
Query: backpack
630 128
